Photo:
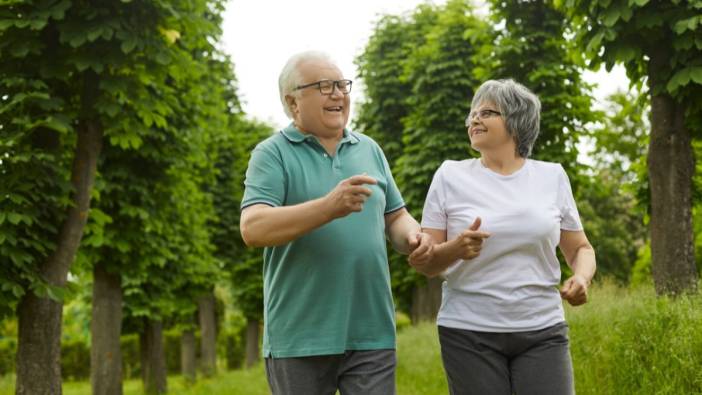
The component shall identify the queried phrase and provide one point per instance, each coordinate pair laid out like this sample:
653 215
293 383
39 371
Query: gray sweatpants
521 363
369 372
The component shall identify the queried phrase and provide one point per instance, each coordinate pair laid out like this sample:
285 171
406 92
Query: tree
243 266
154 239
382 68
418 74
445 55
658 41
70 72
533 50
442 72
613 201
621 140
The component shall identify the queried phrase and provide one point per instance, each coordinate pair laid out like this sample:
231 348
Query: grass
630 341
240 382
419 368
623 341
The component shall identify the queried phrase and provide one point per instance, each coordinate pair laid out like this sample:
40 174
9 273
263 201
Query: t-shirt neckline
493 173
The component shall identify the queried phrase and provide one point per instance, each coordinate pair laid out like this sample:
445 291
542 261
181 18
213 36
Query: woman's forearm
584 263
444 256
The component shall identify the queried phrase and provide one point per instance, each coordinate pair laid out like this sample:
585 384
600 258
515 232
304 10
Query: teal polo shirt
329 290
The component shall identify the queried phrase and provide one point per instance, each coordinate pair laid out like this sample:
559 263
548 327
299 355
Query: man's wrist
326 209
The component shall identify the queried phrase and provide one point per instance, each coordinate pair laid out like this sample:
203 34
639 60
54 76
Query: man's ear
292 103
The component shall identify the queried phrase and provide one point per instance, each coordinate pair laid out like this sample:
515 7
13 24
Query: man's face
314 113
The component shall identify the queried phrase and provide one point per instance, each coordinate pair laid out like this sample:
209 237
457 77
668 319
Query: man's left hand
421 247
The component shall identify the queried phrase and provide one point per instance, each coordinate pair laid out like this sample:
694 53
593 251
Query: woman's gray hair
289 77
520 108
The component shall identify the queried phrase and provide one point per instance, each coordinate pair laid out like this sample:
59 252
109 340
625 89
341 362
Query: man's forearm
271 226
400 228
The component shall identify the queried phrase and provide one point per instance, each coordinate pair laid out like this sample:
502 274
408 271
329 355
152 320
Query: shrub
75 360
7 355
402 321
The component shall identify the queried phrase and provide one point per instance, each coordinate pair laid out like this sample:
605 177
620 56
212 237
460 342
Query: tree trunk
39 319
670 168
187 355
252 351
234 360
426 300
105 329
153 358
39 346
208 335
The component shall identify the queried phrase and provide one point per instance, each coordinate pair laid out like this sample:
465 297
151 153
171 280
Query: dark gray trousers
369 372
521 363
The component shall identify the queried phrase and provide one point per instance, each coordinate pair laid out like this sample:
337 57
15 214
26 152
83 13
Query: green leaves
610 16
17 218
594 43
615 11
128 44
696 74
683 77
57 122
687 24
62 62
170 35
636 31
126 140
419 73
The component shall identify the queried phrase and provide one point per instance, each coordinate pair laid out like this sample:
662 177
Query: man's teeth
333 108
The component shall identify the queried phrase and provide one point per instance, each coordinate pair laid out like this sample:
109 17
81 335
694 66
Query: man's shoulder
364 139
274 143
368 145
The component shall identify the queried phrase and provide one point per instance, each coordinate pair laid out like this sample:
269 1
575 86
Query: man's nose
336 92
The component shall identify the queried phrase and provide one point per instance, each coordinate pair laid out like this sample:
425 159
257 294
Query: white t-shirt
512 285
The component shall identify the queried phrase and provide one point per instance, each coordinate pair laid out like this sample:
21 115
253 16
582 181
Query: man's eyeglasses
482 114
326 87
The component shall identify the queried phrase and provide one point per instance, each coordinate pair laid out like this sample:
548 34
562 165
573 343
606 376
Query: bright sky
261 35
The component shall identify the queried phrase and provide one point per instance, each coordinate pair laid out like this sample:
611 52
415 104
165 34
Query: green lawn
623 341
419 372
241 382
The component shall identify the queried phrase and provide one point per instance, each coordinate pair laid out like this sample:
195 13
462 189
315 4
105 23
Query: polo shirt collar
294 135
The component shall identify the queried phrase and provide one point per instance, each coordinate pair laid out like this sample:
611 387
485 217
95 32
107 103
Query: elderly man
321 199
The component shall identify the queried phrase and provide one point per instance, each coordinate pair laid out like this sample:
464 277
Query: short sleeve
570 219
265 178
393 197
434 212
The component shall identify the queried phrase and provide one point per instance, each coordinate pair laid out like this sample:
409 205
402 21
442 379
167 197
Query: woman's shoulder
450 165
546 167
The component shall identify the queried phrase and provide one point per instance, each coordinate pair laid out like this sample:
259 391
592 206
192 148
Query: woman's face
486 128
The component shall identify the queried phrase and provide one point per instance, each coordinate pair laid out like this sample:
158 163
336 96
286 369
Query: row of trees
420 72
122 134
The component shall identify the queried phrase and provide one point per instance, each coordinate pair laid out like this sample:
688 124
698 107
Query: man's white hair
290 75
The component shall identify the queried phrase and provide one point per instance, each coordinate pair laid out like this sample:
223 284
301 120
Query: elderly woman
497 221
